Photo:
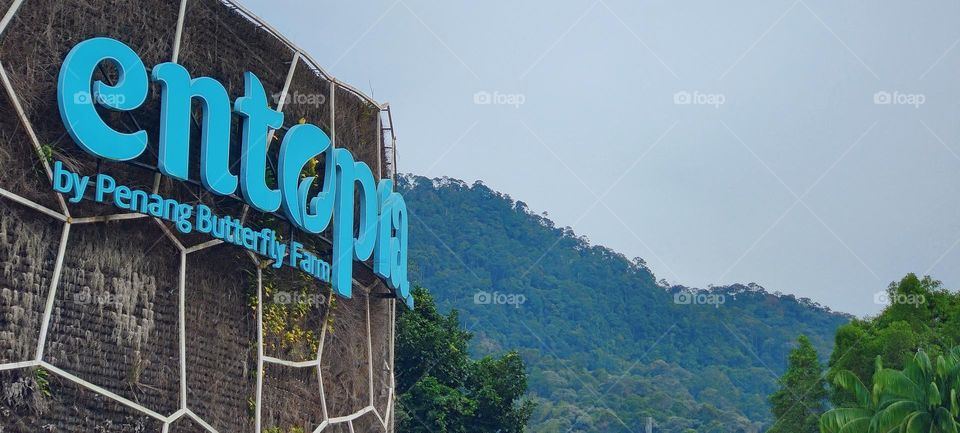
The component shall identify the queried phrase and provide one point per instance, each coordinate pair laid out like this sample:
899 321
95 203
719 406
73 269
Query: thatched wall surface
27 251
114 319
69 408
222 329
344 360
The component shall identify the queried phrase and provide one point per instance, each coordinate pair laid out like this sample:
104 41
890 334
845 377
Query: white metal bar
201 421
333 113
107 218
351 417
387 417
176 415
380 418
258 409
156 183
16 365
379 147
294 364
176 38
283 93
33 136
369 353
176 242
253 257
9 15
323 337
52 291
322 426
205 245
102 391
286 83
393 329
393 383
183 329
32 205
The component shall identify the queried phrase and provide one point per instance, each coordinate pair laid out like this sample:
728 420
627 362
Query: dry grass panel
344 359
28 250
23 171
221 340
357 127
380 331
291 398
308 98
114 321
27 405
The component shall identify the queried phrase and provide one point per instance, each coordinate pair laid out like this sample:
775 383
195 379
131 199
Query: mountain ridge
605 342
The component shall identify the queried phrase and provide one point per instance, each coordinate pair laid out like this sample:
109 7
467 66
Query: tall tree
440 389
798 404
921 315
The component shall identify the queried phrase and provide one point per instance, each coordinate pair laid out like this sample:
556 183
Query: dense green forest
607 347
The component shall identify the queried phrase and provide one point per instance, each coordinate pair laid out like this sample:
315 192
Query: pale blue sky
707 194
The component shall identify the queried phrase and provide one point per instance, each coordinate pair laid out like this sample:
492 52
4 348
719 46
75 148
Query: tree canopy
440 389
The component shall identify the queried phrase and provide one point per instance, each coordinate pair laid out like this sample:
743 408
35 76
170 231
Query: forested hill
606 345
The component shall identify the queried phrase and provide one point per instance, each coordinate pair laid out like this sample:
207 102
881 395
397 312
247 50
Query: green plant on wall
41 378
286 311
46 151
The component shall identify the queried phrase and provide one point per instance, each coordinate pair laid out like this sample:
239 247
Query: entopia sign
381 229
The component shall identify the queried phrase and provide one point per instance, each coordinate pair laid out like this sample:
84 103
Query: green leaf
835 420
933 395
945 421
895 385
917 423
894 415
847 380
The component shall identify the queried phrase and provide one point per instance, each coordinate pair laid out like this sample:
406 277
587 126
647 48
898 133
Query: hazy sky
721 141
